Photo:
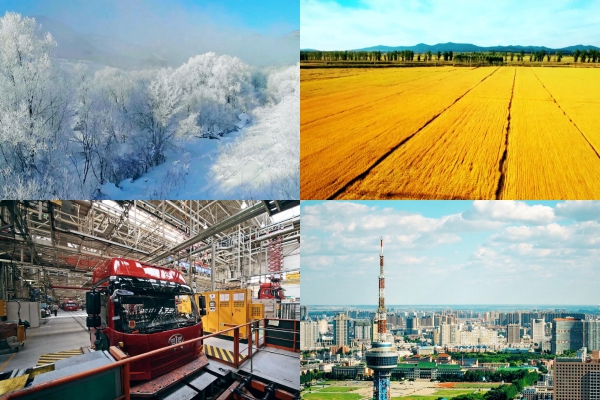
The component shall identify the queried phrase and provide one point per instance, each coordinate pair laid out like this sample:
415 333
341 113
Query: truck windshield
149 313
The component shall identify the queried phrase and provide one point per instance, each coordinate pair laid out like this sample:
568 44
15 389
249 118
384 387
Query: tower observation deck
382 356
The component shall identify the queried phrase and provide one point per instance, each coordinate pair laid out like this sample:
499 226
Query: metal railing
124 363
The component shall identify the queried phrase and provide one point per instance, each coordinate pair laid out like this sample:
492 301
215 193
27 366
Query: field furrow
548 157
346 94
577 92
336 150
457 156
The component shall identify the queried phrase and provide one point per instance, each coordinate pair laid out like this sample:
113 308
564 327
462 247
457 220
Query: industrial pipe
70 287
234 220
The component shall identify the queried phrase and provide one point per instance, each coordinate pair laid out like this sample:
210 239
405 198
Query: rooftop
449 366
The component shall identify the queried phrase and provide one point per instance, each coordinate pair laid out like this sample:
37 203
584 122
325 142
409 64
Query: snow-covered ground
259 160
184 175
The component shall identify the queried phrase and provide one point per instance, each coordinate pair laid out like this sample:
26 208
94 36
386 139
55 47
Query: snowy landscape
124 122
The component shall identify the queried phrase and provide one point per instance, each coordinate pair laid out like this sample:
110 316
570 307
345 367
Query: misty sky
451 252
186 27
354 24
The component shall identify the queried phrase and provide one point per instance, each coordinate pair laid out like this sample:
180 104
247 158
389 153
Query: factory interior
166 299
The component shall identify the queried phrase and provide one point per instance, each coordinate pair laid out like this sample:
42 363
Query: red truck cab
138 308
271 291
70 306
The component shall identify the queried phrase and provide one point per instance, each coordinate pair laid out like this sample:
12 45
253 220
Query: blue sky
451 252
352 24
274 17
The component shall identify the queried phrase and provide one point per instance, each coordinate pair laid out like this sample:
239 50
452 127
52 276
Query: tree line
589 55
475 57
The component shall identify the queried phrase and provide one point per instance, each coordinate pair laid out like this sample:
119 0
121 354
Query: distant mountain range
467 47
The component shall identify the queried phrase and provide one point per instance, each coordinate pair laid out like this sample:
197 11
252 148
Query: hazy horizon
260 34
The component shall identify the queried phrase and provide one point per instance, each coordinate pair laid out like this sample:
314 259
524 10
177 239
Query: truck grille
171 360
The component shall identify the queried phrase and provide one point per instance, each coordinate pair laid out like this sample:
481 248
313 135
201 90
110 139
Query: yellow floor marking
7 361
219 353
61 355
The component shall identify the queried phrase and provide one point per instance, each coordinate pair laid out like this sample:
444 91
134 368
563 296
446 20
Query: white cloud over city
496 252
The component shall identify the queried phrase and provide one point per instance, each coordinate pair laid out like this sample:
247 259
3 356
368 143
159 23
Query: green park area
476 385
441 393
332 393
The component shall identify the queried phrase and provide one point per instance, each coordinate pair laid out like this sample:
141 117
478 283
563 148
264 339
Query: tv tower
381 358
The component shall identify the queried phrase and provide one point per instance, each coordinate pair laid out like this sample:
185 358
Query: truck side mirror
92 303
202 304
93 321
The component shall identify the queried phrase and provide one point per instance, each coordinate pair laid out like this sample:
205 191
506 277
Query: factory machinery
216 251
382 357
48 249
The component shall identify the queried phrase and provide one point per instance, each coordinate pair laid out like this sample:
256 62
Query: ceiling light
244 205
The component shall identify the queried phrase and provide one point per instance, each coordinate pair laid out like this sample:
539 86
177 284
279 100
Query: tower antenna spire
382 357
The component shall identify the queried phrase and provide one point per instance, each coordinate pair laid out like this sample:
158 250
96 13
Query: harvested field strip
338 149
578 95
369 116
570 120
548 158
456 156
345 99
338 81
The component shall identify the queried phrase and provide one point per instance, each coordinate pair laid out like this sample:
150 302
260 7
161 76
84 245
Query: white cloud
510 211
581 210
326 25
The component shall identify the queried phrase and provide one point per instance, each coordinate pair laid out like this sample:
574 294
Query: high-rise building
309 334
341 329
577 378
567 334
303 313
454 334
444 334
513 333
362 330
591 334
538 327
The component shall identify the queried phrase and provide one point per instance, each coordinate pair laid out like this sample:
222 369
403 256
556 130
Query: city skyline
355 24
451 252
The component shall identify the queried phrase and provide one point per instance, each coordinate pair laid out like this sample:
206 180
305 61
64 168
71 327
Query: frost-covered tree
264 162
33 103
218 88
155 113
65 130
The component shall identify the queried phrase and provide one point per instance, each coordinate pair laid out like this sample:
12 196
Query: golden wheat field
450 133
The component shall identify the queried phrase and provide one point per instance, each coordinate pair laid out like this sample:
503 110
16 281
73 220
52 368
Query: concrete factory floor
276 365
279 366
67 331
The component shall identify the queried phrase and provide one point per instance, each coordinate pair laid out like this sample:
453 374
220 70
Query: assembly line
154 299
